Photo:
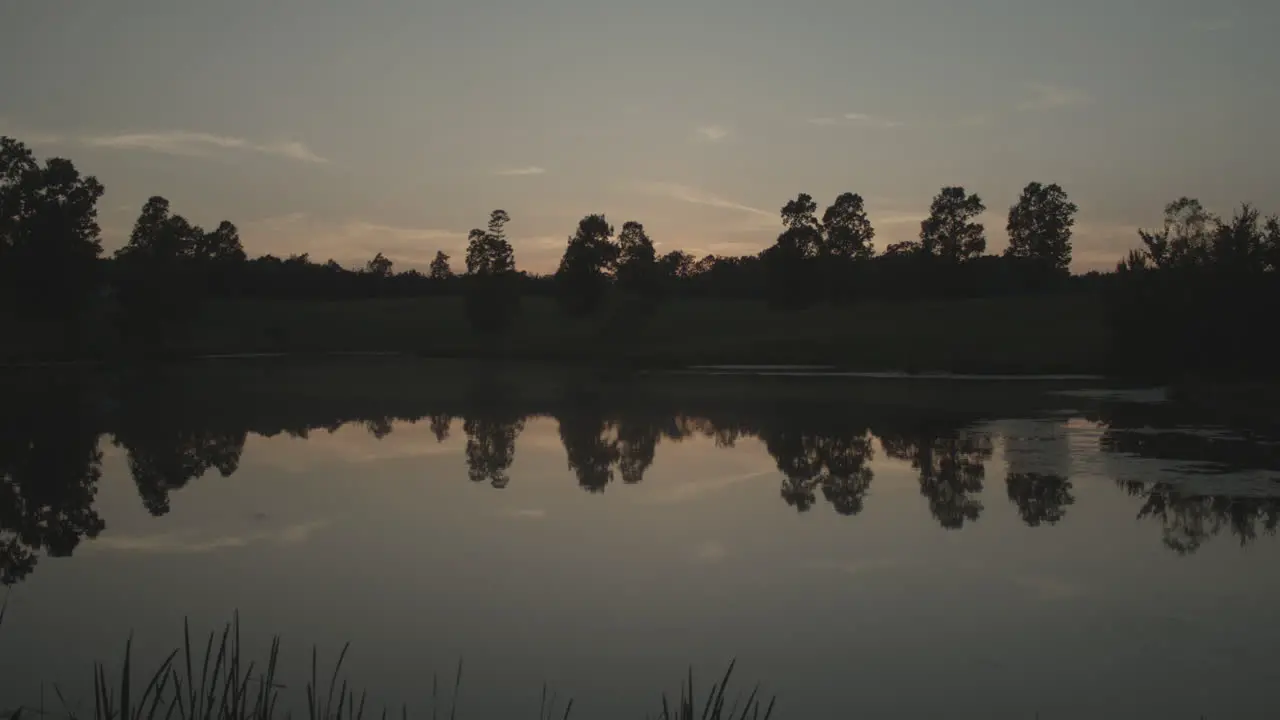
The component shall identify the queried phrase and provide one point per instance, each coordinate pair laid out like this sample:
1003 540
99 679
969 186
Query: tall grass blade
125 707
457 684
156 685
718 705
333 680
567 709
311 687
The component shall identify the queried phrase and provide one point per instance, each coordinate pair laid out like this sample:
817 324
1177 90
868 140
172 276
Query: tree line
1166 298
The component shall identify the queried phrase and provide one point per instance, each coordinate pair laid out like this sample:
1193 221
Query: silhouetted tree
587 265
49 242
676 265
159 290
1040 227
637 271
493 297
379 266
1244 245
440 269
1186 238
847 236
789 262
220 257
950 233
849 233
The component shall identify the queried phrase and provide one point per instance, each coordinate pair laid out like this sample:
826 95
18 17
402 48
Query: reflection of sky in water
607 596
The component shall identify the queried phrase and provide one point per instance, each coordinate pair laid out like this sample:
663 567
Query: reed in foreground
217 683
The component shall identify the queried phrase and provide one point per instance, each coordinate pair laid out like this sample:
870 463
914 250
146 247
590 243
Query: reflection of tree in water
1189 520
590 449
637 446
835 462
491 447
1190 517
378 427
1042 499
49 471
164 457
951 466
440 424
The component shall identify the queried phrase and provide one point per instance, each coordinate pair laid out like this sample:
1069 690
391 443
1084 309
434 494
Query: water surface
865 547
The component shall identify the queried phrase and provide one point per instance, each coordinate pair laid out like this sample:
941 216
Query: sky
345 129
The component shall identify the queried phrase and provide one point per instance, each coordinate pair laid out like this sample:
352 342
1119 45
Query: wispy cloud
190 543
199 144
1045 96
856 119
518 171
713 133
694 196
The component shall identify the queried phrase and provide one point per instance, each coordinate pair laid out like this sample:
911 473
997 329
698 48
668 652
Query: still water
864 548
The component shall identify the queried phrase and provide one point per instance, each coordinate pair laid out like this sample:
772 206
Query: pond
864 547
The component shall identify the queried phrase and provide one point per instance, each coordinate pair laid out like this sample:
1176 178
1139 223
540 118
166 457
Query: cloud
694 196
519 171
190 543
1051 97
855 119
713 133
199 144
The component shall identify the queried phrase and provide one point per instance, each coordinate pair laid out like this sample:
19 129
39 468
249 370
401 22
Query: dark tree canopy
440 269
637 266
488 251
950 233
49 237
1040 226
588 262
379 266
1186 237
492 296
848 231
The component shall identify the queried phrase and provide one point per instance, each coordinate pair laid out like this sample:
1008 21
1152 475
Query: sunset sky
342 129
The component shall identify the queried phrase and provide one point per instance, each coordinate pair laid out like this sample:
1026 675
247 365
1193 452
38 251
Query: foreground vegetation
219 683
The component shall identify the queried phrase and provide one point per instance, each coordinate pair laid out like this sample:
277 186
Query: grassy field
1028 334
